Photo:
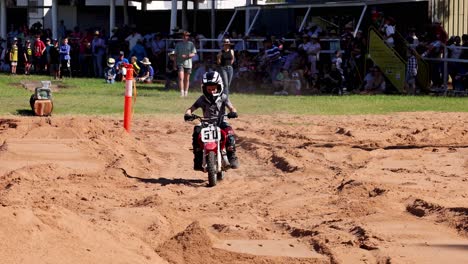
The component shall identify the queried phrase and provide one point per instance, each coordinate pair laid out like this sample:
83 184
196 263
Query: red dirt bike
212 140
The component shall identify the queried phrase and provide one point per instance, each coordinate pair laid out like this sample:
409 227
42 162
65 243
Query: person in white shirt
389 30
133 38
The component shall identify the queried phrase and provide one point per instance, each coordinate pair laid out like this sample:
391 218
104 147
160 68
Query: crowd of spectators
318 59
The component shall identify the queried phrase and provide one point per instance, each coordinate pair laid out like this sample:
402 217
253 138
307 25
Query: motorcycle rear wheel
211 167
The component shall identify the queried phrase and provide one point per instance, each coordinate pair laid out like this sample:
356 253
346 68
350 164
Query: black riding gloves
188 117
232 115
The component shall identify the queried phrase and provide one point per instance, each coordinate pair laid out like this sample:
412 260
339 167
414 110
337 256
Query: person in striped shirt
272 59
411 72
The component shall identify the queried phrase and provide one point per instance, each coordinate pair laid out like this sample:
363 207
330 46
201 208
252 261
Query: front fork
222 160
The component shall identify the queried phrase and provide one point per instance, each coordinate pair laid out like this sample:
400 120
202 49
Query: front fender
210 146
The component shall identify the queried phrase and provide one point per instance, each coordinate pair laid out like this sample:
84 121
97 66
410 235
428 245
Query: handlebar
204 119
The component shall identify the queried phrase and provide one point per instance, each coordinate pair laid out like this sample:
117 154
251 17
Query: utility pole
213 27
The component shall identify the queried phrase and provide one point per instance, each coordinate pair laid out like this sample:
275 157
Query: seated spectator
119 66
374 82
109 71
171 71
136 67
332 80
147 72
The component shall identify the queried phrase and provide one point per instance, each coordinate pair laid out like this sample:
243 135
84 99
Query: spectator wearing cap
98 49
147 71
185 50
39 49
225 60
54 59
65 59
14 54
120 66
27 55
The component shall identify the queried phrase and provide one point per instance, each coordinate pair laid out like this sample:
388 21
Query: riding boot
231 152
233 160
198 160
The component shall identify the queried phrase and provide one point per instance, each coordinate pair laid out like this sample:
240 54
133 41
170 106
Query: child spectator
171 71
39 49
411 72
54 60
109 71
119 66
27 53
136 67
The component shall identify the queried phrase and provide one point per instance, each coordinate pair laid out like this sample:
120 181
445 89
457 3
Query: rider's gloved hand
232 115
188 117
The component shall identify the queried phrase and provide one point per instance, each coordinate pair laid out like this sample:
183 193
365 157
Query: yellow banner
390 64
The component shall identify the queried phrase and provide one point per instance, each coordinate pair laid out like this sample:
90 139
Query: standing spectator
147 73
54 60
464 54
454 52
272 59
439 31
133 38
48 45
158 50
65 58
411 72
412 39
389 31
185 51
98 48
313 50
85 58
138 50
62 30
113 43
39 49
14 52
435 50
4 67
225 60
27 55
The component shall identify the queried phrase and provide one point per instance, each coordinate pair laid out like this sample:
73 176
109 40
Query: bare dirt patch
347 189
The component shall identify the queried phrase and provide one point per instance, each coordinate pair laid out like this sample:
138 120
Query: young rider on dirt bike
213 103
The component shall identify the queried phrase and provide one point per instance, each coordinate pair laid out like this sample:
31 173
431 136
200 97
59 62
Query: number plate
210 134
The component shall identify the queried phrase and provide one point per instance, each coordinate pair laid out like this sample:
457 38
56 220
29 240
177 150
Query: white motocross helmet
212 78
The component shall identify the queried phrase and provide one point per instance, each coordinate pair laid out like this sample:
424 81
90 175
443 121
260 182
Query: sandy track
342 189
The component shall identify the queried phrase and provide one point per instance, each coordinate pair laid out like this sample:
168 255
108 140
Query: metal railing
205 45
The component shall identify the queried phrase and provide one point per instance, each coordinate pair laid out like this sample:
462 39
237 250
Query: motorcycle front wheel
211 167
